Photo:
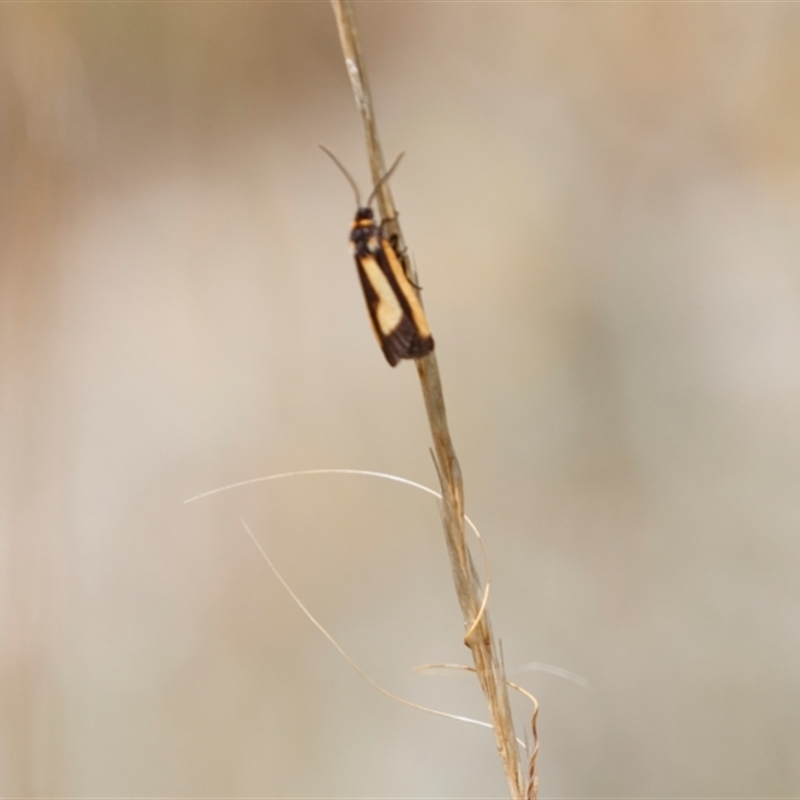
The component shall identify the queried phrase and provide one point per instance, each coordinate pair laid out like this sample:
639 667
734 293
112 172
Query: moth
395 311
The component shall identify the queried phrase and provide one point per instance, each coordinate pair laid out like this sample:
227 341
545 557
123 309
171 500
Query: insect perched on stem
394 308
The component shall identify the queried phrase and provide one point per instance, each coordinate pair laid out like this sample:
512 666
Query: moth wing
395 312
407 291
402 342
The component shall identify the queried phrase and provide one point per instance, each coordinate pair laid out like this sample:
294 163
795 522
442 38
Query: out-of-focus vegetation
602 201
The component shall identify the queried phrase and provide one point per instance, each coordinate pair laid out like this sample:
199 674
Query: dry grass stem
485 652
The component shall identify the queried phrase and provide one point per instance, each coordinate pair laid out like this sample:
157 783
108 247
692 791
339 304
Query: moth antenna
345 173
383 180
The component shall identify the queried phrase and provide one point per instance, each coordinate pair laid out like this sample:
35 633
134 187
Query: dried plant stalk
485 652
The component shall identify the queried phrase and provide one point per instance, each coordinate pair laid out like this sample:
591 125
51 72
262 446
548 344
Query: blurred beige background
603 202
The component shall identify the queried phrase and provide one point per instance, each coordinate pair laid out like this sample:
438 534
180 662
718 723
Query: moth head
365 217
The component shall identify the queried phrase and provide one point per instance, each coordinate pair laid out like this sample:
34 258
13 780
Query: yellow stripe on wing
388 311
410 294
